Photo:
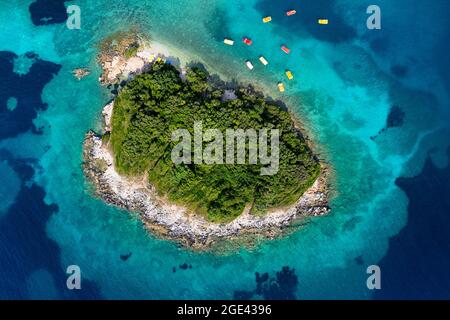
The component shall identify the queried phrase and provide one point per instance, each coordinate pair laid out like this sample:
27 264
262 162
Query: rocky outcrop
80 73
123 55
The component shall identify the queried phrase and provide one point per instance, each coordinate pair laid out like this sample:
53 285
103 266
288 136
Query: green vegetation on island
155 104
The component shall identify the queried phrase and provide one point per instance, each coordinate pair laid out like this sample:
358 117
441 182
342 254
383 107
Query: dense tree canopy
155 104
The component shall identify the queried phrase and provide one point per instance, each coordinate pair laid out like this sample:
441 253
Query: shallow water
347 80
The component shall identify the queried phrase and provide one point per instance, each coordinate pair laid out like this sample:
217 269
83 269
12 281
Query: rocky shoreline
167 220
175 222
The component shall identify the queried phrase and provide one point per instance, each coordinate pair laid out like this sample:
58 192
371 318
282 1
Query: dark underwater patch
351 224
183 266
395 118
359 260
306 18
26 89
125 257
417 264
379 45
282 286
218 25
399 71
44 12
25 245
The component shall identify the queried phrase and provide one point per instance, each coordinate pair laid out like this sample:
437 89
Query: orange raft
291 12
286 49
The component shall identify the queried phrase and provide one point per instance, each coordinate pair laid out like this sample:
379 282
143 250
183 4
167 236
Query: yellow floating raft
263 60
322 21
267 19
289 75
281 86
228 42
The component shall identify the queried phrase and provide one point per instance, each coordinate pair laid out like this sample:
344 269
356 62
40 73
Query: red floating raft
247 41
286 49
291 12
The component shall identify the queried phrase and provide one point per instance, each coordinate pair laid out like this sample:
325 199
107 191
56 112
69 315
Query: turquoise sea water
347 82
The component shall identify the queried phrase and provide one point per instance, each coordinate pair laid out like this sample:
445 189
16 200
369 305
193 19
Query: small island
225 187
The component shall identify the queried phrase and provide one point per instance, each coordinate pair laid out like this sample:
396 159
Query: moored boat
267 19
228 41
286 49
322 21
249 64
281 87
263 60
291 12
289 75
247 41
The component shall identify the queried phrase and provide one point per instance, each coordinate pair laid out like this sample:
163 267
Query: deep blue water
378 102
44 12
418 261
26 89
28 248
